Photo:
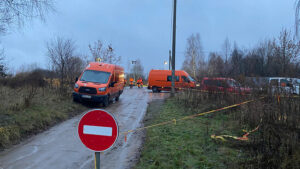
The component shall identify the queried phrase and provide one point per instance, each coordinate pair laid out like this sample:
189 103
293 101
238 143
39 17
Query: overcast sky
142 28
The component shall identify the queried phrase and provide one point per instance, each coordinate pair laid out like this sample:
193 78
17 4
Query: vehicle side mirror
76 79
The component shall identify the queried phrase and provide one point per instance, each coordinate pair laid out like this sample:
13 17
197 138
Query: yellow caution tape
243 138
174 121
217 92
188 117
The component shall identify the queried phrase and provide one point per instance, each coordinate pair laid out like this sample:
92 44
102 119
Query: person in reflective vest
140 82
131 82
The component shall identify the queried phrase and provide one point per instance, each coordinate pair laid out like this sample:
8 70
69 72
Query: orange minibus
99 82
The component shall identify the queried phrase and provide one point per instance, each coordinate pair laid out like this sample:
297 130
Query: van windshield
191 79
95 76
233 83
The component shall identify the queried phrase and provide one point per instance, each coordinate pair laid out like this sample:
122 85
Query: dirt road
60 147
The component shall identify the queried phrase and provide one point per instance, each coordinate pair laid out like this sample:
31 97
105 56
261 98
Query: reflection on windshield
233 83
191 79
95 76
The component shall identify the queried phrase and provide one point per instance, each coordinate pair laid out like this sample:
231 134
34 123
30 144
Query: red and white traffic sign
98 130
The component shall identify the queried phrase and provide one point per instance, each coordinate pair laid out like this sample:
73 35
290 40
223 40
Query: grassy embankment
188 144
25 111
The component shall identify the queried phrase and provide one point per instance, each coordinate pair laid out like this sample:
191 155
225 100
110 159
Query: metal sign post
97 160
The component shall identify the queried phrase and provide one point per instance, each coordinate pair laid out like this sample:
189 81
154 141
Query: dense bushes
34 79
276 142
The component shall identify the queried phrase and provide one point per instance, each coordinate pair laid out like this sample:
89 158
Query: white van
284 85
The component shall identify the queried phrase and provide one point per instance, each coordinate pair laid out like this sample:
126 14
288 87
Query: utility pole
170 59
173 50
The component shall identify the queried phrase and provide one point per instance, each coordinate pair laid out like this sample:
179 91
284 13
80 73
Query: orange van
159 80
99 82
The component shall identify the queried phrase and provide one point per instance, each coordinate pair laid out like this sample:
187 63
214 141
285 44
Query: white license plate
86 96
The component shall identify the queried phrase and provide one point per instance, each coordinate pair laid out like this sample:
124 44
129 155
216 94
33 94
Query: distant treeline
273 57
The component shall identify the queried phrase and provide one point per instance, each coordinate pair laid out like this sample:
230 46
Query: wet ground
60 148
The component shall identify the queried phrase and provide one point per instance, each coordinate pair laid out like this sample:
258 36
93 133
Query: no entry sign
98 130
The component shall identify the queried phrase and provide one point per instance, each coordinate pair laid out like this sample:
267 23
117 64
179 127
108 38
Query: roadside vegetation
216 140
189 143
30 104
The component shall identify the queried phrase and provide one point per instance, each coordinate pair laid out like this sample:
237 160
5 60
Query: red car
223 85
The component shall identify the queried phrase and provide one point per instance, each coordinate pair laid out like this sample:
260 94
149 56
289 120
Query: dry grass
27 110
276 143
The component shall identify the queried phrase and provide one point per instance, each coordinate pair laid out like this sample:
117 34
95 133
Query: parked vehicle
99 82
223 85
159 80
284 85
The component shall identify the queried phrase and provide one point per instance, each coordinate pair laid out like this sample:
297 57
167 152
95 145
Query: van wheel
75 100
118 97
155 89
106 101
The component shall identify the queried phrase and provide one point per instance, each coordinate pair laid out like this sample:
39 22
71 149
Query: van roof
279 78
165 71
105 67
217 78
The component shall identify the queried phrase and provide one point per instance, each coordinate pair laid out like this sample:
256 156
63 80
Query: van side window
210 82
222 83
285 82
169 78
233 83
185 79
274 82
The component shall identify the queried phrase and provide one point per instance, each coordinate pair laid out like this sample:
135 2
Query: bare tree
236 61
106 55
266 51
194 57
226 49
297 16
61 52
137 70
287 51
96 50
17 11
215 65
273 57
2 67
74 67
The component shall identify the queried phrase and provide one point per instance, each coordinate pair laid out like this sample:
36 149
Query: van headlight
102 89
76 86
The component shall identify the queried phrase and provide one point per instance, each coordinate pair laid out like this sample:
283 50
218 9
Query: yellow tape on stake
188 117
243 138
